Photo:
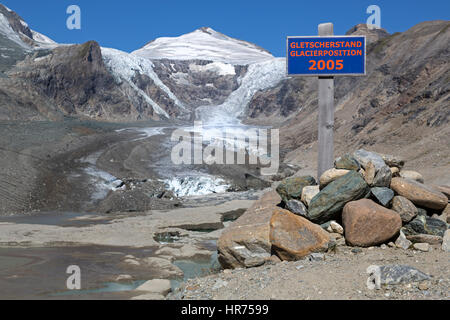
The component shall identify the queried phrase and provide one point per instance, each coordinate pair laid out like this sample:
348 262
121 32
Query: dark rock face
328 204
372 35
291 188
425 225
75 79
382 195
196 88
15 22
297 207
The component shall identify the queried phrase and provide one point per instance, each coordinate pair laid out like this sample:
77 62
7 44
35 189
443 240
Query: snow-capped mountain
204 44
14 28
202 74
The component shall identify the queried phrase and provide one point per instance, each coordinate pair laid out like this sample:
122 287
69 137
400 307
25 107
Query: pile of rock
365 200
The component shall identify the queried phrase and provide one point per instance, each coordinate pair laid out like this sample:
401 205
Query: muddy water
40 273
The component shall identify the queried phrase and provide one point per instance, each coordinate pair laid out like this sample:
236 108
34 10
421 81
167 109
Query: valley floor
341 276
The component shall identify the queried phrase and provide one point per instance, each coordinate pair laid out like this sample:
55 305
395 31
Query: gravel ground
341 276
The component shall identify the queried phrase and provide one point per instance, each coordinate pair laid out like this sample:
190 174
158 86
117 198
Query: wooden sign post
326 56
326 114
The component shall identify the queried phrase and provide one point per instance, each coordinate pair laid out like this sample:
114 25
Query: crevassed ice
196 185
260 76
123 66
6 29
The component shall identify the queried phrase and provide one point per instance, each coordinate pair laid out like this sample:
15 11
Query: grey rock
383 174
424 247
425 238
425 225
297 207
316 257
347 162
383 177
413 175
405 208
158 286
393 161
402 242
382 195
397 274
364 157
446 241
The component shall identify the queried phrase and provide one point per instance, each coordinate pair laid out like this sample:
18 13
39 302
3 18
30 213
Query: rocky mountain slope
402 104
44 80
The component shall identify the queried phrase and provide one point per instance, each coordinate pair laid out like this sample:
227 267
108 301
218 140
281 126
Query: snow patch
223 69
43 41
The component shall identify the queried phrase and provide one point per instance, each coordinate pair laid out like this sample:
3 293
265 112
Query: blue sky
128 25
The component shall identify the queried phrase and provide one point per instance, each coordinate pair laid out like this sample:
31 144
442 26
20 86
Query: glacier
260 76
123 67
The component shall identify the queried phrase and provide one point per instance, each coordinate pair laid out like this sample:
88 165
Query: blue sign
326 56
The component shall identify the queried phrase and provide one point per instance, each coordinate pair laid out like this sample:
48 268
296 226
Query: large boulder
293 237
368 224
327 204
420 194
245 243
405 208
291 188
330 175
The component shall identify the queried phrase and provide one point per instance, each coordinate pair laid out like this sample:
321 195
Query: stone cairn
366 200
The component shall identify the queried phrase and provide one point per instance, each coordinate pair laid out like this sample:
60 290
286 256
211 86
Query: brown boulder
420 194
245 243
293 237
445 190
368 224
